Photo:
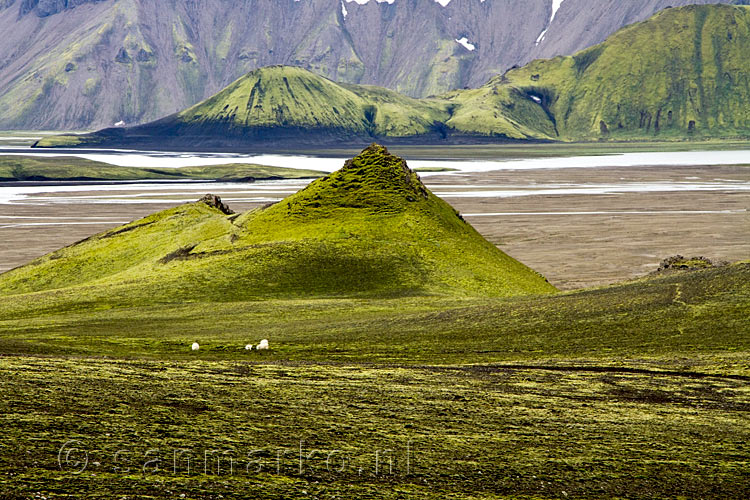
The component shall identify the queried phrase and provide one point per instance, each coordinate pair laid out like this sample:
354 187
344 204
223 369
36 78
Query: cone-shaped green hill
369 229
277 98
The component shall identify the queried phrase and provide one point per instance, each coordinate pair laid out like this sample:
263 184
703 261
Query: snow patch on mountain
444 3
465 43
362 2
555 7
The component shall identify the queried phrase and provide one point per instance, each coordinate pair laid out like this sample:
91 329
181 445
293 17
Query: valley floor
634 391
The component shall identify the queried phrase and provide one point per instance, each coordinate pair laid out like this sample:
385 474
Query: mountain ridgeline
684 72
681 74
88 64
370 229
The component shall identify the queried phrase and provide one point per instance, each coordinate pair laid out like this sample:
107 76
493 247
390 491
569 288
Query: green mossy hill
499 111
374 181
283 106
292 97
370 229
682 73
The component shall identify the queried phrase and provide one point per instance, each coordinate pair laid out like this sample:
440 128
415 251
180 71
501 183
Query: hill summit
370 229
374 181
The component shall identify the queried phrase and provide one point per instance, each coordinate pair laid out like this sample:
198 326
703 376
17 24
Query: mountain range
681 74
86 64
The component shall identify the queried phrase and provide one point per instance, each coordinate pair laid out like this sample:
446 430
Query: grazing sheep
195 346
263 345
249 347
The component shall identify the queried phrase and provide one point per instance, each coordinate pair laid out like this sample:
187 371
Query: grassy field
163 429
71 168
637 391
652 323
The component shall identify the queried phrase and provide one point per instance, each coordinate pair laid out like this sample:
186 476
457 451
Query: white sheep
195 346
249 347
263 345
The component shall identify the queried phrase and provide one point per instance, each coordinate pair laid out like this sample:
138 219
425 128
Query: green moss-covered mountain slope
369 229
281 97
682 73
281 105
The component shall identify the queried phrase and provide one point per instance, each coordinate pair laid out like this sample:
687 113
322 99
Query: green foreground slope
452 433
691 321
371 228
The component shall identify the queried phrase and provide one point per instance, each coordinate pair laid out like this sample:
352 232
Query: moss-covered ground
633 391
166 429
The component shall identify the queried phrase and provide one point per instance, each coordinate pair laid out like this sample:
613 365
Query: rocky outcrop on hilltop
215 202
680 263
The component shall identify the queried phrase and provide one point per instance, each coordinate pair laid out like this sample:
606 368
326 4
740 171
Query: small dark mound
680 263
215 202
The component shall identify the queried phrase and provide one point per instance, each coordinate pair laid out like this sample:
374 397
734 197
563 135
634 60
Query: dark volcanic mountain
73 64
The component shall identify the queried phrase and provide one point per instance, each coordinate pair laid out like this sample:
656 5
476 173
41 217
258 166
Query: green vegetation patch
681 74
66 140
68 168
